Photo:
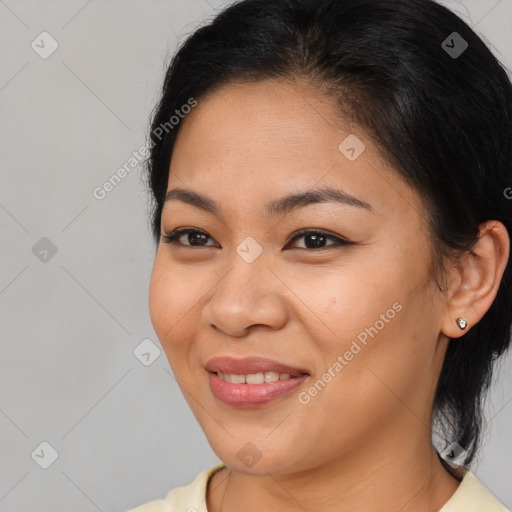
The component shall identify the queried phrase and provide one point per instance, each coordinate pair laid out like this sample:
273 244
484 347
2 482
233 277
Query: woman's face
363 320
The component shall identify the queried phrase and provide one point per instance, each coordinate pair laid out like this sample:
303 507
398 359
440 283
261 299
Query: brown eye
316 239
195 237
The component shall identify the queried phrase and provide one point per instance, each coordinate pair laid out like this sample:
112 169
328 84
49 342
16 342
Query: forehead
271 119
255 140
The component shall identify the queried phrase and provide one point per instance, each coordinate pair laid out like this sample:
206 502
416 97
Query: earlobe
478 277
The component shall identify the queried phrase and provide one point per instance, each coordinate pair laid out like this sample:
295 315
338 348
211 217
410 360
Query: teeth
237 379
254 378
271 376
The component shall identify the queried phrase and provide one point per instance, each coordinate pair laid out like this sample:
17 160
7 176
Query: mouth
255 378
251 382
251 366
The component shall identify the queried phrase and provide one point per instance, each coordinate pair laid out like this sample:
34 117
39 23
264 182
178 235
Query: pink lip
251 395
227 364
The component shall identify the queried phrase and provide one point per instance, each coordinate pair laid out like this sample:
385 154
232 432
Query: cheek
174 306
386 365
360 322
167 303
159 300
344 303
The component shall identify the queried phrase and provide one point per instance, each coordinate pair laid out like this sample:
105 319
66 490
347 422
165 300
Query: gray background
70 321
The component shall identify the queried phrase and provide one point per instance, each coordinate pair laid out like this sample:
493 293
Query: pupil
316 239
193 238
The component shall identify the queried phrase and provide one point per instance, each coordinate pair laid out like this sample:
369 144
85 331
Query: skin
364 441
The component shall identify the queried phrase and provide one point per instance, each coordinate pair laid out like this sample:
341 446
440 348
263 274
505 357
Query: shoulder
188 498
472 496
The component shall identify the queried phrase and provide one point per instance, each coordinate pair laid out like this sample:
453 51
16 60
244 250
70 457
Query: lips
244 394
250 365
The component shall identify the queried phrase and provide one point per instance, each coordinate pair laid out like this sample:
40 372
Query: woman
332 282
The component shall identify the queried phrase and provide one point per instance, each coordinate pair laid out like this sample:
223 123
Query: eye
314 238
195 238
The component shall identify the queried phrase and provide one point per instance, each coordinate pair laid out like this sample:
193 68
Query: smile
245 395
254 378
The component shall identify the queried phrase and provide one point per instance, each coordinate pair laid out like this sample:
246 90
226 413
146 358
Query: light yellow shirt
470 496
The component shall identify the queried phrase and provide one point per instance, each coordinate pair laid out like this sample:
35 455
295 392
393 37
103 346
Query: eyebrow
282 205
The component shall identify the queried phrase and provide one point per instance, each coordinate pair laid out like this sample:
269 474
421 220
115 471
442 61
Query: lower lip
252 395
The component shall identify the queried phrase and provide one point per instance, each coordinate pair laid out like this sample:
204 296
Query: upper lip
247 365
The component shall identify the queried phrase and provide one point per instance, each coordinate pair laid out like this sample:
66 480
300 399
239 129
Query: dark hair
444 121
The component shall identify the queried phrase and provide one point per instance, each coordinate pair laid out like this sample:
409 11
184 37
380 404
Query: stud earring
462 322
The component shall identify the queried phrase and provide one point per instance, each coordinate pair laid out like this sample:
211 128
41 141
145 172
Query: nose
249 295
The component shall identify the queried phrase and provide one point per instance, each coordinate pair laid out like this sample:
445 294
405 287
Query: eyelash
171 238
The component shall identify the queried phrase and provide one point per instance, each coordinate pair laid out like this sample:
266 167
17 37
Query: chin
248 459
260 468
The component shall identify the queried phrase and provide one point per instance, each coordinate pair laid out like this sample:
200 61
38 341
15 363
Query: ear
475 280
